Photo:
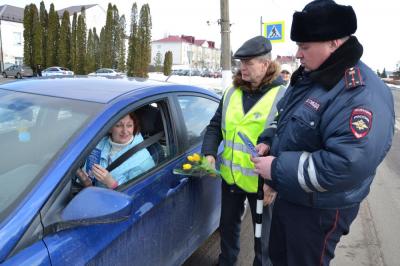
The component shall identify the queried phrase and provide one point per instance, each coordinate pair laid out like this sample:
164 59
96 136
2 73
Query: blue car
48 127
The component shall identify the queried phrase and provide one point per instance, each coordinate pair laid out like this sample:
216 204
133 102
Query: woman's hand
102 175
84 178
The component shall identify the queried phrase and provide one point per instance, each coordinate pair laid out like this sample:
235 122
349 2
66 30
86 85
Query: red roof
171 38
199 42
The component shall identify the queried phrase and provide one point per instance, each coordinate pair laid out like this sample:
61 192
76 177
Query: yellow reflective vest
236 167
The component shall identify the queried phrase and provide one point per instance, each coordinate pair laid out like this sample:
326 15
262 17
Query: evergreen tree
64 47
73 43
28 34
32 37
133 51
157 62
44 20
384 75
121 39
144 36
37 51
378 73
108 39
116 37
90 55
52 37
96 47
81 43
102 47
168 63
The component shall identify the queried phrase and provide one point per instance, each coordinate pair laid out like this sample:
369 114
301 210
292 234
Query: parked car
18 71
57 71
52 125
216 74
195 72
206 73
107 72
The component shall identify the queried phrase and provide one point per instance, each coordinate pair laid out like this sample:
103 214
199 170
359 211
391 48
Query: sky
378 22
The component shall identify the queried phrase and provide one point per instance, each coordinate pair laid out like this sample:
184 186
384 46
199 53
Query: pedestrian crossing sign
274 31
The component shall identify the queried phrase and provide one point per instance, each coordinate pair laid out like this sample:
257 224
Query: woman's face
122 131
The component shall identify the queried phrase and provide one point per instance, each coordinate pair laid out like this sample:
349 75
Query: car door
160 229
197 111
13 71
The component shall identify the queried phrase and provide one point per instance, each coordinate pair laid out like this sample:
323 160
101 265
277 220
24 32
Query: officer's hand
269 195
262 166
211 161
262 149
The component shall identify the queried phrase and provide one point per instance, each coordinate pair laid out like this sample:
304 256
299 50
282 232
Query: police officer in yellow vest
248 107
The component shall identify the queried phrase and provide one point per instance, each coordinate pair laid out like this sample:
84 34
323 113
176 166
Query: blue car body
159 219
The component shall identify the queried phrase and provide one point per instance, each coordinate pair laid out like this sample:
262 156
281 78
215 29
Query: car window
197 113
156 149
33 129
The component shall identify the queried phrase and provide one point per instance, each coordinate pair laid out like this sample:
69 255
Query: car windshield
33 130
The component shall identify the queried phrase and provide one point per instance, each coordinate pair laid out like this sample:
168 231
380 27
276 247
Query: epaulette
353 78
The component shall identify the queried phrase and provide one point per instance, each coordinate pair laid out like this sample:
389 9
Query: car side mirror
93 205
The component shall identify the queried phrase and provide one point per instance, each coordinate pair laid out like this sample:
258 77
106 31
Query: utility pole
225 45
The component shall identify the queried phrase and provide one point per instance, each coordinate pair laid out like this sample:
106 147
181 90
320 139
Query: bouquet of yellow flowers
198 166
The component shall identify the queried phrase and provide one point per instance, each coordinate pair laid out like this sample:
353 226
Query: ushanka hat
323 20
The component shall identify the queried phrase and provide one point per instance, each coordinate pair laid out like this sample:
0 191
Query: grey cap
254 47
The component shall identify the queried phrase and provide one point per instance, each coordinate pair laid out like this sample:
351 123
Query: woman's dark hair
136 123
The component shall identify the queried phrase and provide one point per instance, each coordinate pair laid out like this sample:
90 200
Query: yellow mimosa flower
190 158
196 157
186 166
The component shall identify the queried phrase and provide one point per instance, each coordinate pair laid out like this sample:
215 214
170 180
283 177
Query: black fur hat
323 20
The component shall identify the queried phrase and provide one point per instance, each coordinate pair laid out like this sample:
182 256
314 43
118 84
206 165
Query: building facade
11 36
187 52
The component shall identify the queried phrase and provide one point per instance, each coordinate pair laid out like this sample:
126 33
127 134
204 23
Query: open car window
147 150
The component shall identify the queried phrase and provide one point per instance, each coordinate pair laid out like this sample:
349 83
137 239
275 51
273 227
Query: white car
107 72
57 71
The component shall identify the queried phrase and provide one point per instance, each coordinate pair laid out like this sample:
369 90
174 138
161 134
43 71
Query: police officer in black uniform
335 126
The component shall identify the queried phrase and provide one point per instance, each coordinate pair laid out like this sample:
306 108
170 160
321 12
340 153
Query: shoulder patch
353 78
360 122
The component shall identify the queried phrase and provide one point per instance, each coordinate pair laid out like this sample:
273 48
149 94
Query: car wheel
4 75
245 210
19 76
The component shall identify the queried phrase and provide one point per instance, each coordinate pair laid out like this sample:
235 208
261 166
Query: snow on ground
214 84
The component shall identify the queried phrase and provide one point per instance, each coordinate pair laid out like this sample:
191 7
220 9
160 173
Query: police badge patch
360 122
